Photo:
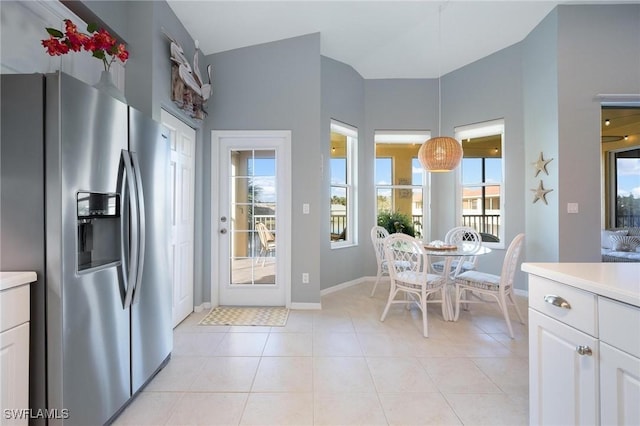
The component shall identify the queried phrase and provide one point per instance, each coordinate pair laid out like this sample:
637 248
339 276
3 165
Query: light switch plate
572 208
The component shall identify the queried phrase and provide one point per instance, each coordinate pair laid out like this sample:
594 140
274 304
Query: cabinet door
619 387
563 383
14 374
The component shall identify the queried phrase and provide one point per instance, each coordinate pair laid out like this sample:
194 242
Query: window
620 126
400 181
481 180
343 149
626 188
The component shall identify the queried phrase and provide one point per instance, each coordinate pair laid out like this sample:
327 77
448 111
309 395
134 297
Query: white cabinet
619 362
14 347
584 350
14 369
563 382
619 387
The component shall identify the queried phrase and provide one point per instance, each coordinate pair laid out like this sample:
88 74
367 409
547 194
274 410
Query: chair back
464 234
510 263
265 235
405 254
460 234
378 235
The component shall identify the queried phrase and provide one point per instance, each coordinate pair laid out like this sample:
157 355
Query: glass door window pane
253 210
628 189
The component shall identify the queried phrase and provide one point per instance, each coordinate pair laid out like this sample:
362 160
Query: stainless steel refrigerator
85 204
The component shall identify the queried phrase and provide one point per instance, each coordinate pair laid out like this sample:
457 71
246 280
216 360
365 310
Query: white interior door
251 223
183 145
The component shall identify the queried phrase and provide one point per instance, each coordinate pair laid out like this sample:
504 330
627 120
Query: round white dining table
449 255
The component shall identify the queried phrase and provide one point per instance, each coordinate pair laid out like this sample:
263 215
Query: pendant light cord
439 69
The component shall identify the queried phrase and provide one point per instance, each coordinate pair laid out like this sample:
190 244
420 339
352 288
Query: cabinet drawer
14 307
619 324
579 311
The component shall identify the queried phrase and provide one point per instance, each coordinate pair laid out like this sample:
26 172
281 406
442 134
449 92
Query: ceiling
623 129
379 39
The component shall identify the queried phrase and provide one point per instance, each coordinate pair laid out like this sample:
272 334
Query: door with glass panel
253 222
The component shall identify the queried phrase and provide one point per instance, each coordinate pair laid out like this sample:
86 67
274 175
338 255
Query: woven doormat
271 316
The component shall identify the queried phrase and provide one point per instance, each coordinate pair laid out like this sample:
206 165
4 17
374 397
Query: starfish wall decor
540 193
541 165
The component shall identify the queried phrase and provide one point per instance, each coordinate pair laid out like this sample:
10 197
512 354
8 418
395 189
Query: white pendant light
441 153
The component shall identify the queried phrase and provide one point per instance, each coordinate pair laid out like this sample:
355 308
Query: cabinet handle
557 301
584 350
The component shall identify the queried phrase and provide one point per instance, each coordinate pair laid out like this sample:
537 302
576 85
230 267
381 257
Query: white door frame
183 150
283 218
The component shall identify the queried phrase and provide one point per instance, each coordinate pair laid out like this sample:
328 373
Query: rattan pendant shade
440 154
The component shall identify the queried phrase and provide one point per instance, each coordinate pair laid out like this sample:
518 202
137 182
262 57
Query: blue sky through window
472 170
263 171
629 177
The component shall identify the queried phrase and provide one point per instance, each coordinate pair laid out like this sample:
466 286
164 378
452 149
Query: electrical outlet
305 278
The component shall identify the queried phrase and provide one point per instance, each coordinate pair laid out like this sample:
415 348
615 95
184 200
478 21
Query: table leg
448 312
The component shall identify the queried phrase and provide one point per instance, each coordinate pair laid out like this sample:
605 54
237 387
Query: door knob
223 231
584 350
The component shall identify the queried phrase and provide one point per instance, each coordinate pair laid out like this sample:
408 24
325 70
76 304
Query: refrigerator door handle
131 276
142 228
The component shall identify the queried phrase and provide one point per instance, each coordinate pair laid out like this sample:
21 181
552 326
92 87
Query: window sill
342 244
494 246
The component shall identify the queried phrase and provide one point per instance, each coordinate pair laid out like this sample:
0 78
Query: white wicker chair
499 287
456 236
267 242
378 235
409 273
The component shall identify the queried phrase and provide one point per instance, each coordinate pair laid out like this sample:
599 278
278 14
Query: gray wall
573 55
544 88
540 88
488 89
598 53
342 100
276 86
392 104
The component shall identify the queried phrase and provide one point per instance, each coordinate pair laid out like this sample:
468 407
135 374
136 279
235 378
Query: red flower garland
101 44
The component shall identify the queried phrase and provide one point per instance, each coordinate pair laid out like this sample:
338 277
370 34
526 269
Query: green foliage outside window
396 222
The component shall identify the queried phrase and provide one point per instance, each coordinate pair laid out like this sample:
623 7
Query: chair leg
375 285
392 295
503 306
423 306
515 305
259 255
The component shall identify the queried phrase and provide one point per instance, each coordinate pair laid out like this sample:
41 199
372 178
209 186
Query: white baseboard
520 292
361 280
202 307
333 289
305 306
346 284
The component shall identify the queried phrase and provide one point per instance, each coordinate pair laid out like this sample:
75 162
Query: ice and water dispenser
99 229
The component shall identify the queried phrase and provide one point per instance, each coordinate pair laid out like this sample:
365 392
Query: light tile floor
342 366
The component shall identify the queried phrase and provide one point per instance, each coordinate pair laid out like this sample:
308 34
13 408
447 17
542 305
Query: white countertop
618 281
14 279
